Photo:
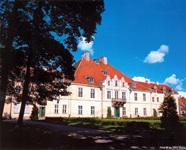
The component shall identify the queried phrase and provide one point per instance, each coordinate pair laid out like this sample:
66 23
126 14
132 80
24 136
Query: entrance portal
41 111
117 112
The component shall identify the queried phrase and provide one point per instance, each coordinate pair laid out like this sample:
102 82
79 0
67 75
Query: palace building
97 87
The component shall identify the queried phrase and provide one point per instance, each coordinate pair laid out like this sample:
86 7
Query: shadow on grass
40 137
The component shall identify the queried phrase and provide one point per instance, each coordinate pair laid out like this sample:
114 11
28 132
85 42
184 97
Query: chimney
103 60
86 56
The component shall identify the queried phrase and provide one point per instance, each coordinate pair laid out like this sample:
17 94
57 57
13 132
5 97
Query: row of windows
80 109
115 83
116 93
136 111
144 97
80 92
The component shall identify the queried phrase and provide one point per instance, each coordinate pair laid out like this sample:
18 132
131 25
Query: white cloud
85 46
172 80
177 83
157 56
139 78
182 94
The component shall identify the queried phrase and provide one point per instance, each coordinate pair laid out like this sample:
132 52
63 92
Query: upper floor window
108 94
135 96
80 92
123 95
108 83
116 94
144 97
152 99
116 83
92 93
123 84
18 89
157 99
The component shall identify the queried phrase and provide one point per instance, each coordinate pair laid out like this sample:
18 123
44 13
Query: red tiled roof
182 101
159 87
89 68
92 69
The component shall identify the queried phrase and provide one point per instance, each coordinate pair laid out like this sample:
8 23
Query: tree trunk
25 91
6 60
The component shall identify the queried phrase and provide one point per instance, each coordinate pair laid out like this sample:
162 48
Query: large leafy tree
168 108
27 33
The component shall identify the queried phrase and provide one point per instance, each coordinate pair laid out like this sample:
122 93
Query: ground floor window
92 110
136 111
145 111
64 109
56 108
16 108
124 111
80 110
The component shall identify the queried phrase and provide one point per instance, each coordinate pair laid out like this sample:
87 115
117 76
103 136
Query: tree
154 113
168 108
34 113
34 47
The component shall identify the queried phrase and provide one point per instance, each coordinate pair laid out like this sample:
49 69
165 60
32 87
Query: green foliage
109 113
34 114
155 113
169 119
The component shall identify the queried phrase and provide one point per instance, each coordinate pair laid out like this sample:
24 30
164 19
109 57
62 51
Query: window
104 72
144 111
56 109
80 110
108 94
90 79
92 111
16 108
123 95
116 94
157 99
135 96
116 83
124 111
80 92
136 111
152 99
27 109
92 93
64 109
18 89
108 83
123 84
144 97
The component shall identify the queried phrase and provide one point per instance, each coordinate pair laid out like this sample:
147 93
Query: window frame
80 92
64 109
92 110
92 93
80 110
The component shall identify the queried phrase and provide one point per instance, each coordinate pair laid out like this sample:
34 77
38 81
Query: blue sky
145 39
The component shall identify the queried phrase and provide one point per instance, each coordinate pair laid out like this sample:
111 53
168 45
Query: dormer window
116 83
164 90
104 72
108 83
123 84
155 89
90 79
133 84
96 61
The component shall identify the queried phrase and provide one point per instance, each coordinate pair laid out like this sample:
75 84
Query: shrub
34 114
155 113
109 113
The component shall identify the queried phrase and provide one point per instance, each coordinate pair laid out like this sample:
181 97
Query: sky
145 40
